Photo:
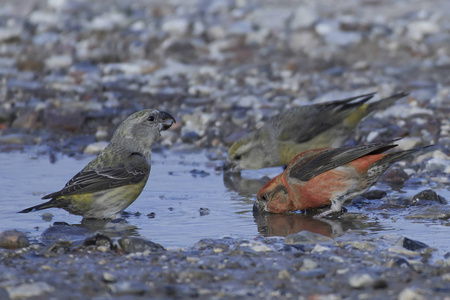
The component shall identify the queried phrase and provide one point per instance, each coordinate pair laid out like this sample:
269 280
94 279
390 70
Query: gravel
72 70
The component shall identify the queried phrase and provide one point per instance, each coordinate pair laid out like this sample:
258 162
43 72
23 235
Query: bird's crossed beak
166 120
228 166
260 207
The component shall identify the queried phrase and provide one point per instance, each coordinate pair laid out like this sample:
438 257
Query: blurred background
71 70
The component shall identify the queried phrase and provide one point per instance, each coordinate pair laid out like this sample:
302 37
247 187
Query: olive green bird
113 180
300 129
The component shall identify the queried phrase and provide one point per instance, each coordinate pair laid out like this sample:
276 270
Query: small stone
13 239
204 211
199 173
59 61
101 134
429 195
403 251
257 247
151 215
363 245
319 248
135 244
103 249
395 176
436 211
360 281
9 33
190 137
27 290
47 217
192 259
411 294
26 121
284 275
437 164
375 194
108 277
64 232
70 120
99 240
337 259
4 295
306 237
304 16
412 244
17 139
176 27
309 264
129 288
417 30
95 148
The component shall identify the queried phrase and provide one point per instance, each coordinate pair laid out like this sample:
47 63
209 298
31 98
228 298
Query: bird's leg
336 206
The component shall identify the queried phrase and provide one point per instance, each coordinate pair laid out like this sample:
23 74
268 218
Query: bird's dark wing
327 159
297 124
134 170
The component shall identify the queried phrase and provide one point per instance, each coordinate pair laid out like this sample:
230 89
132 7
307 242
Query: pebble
257 246
177 27
59 62
417 30
8 34
403 251
428 195
304 17
319 248
365 246
27 290
109 277
306 237
124 288
204 211
412 244
309 264
47 217
13 239
435 211
95 148
17 139
135 244
360 281
411 294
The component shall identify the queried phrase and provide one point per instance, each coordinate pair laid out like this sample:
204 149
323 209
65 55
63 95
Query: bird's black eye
238 157
151 118
263 198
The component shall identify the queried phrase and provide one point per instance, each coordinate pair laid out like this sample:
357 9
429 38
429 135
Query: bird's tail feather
385 103
45 205
397 156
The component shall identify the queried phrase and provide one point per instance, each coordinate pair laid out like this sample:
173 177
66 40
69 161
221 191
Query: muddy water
186 200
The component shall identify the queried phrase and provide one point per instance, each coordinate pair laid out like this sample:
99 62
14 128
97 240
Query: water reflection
286 224
77 233
245 187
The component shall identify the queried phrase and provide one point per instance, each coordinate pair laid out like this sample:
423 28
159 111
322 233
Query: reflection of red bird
327 176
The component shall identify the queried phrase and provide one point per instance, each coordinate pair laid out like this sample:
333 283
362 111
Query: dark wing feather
89 181
331 158
301 128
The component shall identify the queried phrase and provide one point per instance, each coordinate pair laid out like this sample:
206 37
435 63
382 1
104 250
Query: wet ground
216 246
72 70
204 204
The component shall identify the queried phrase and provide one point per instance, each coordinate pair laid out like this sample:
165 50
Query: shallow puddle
185 200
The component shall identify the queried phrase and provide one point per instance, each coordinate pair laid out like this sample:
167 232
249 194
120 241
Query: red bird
327 176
